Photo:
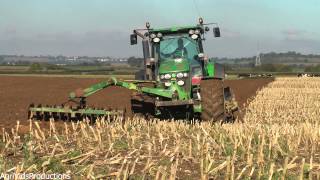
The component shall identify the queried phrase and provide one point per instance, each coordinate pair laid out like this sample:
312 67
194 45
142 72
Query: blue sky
102 27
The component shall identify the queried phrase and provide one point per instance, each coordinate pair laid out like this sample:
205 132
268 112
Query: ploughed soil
17 93
245 89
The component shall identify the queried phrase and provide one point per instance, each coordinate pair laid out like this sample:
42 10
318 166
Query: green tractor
178 80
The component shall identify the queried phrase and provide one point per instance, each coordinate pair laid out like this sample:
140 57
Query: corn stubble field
279 139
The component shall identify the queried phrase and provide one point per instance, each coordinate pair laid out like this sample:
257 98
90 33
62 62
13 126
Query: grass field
279 139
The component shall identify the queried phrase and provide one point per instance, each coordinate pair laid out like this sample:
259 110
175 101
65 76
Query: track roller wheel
212 100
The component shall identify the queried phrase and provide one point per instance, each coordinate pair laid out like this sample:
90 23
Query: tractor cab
175 51
176 54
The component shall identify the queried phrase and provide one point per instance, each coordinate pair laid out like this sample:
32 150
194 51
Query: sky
102 27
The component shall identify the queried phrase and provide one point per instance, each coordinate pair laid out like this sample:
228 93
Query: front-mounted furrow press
76 108
69 113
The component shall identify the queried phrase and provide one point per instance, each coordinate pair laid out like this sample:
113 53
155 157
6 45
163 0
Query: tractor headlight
180 75
200 55
156 39
159 35
178 60
194 36
191 31
180 83
152 36
161 76
185 74
167 84
167 76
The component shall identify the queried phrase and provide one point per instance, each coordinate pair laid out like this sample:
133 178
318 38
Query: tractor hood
173 65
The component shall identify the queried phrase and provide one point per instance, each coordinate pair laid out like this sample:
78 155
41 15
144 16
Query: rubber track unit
212 100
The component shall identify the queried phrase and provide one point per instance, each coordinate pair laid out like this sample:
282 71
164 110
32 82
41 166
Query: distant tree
308 69
266 68
44 67
35 67
291 53
251 65
61 58
312 68
106 64
311 56
272 54
284 68
228 67
22 63
135 62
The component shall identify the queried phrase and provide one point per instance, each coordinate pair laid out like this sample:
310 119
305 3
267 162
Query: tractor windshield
178 47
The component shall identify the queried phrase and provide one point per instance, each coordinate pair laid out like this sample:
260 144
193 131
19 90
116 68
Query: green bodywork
170 66
209 68
114 82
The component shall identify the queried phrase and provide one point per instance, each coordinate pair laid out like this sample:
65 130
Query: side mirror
133 39
216 32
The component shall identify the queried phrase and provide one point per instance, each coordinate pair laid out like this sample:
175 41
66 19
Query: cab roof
176 30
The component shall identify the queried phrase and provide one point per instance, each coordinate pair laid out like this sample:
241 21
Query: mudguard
140 75
214 70
219 71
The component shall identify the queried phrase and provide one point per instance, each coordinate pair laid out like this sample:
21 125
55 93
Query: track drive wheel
142 105
212 100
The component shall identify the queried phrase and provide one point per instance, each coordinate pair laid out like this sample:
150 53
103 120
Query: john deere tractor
178 80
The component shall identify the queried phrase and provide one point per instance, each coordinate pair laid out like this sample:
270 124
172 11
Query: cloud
90 43
229 33
10 31
295 34
301 39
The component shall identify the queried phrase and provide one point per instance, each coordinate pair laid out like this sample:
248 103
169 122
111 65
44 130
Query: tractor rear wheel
212 100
